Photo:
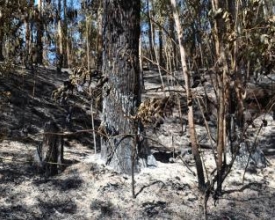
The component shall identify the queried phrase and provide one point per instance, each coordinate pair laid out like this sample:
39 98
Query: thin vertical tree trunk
161 60
60 51
88 23
220 98
238 84
3 17
192 131
99 37
150 32
65 35
141 78
69 49
223 88
87 20
174 49
27 24
1 47
40 30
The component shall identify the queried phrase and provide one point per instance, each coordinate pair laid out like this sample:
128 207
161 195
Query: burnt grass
87 189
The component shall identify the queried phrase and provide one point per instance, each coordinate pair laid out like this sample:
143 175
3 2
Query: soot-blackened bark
50 153
121 92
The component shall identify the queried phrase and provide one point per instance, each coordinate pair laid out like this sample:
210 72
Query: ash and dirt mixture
87 189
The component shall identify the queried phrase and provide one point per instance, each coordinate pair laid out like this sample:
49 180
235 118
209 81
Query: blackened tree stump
50 153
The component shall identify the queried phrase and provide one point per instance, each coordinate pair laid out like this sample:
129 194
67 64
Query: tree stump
50 152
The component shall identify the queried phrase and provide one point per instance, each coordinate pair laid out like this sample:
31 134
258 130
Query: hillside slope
88 189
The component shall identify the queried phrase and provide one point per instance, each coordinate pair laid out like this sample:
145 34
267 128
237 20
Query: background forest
96 93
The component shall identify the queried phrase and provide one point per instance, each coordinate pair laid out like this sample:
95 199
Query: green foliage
257 37
254 34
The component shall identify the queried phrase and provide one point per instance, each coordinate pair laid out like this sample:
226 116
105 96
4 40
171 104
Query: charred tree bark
50 153
121 93
161 60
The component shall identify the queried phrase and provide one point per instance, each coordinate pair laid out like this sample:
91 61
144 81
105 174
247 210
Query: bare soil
88 189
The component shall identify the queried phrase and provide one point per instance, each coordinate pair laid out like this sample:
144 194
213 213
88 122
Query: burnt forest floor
87 189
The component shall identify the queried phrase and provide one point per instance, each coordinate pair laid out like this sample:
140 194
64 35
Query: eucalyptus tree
3 17
190 100
60 38
147 18
99 48
91 32
121 146
39 33
71 31
159 17
236 39
158 34
241 36
10 30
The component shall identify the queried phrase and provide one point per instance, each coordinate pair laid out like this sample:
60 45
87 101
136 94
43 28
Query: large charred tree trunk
121 93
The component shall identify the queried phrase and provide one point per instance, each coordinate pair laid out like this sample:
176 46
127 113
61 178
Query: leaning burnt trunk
50 153
121 91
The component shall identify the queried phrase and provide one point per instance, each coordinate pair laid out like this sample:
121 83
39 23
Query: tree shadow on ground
256 203
14 174
27 103
62 206
56 208
15 167
14 212
70 183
